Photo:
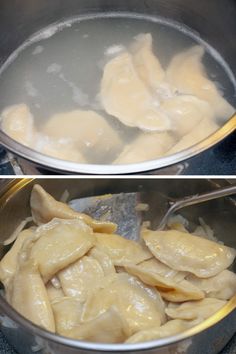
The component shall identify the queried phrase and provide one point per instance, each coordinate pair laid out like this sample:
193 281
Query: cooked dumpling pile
72 275
146 111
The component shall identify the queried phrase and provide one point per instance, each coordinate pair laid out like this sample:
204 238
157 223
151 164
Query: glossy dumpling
168 329
222 286
192 310
18 123
29 296
44 208
120 250
109 327
155 266
202 131
125 96
185 252
54 293
67 312
81 278
168 288
103 259
147 146
60 149
9 262
140 306
187 73
146 63
85 129
186 112
60 243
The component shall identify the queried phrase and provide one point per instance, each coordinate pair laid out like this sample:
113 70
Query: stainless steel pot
208 338
213 20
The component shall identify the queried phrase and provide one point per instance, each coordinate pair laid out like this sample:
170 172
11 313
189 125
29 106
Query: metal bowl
208 338
19 21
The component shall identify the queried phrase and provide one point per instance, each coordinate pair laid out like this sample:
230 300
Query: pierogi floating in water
74 276
146 110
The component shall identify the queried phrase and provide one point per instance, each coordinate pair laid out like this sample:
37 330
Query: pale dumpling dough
87 129
44 208
125 96
192 310
121 250
81 278
104 260
109 327
168 329
146 63
169 289
141 308
9 263
203 130
61 243
187 74
29 296
63 150
155 266
186 112
184 252
18 123
54 293
67 313
222 286
148 146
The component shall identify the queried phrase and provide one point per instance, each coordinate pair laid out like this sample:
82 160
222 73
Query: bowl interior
219 215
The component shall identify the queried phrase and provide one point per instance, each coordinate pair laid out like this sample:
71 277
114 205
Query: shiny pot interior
213 21
208 338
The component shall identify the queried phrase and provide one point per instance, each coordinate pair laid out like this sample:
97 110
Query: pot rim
72 167
7 309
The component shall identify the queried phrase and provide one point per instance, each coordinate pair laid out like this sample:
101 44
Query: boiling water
60 69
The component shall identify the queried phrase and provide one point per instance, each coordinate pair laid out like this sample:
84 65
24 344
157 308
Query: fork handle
196 199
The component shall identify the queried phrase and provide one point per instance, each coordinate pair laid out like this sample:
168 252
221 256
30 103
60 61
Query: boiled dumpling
155 266
147 146
168 329
125 96
81 278
169 289
86 129
103 259
18 123
67 312
109 327
192 310
222 286
146 63
185 252
9 262
44 208
202 131
54 293
186 72
60 149
29 296
121 250
140 306
186 112
61 243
